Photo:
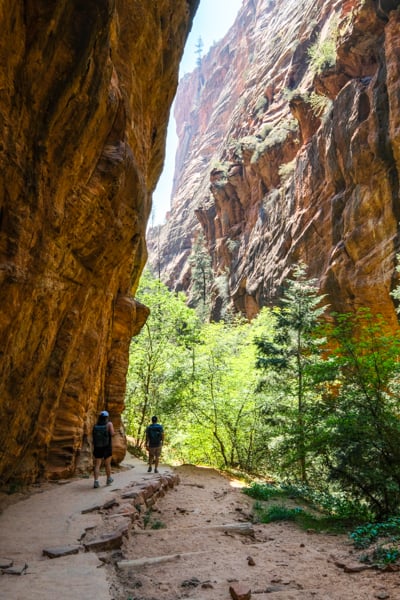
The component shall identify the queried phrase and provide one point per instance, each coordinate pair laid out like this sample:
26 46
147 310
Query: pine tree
288 362
199 51
200 261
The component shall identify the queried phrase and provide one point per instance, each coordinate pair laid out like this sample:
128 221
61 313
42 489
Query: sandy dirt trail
278 561
198 542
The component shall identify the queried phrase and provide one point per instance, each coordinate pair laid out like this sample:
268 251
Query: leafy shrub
277 136
286 170
278 512
358 426
263 491
261 105
337 506
383 556
365 535
319 104
322 54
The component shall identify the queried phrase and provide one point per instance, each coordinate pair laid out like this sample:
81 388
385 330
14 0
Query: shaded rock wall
85 91
270 180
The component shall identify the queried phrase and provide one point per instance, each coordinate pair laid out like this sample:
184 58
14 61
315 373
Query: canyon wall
282 159
85 93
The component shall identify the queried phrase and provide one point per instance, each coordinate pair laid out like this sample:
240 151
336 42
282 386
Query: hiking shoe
109 480
155 470
149 470
96 484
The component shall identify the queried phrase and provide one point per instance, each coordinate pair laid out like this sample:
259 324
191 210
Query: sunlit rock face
85 92
272 181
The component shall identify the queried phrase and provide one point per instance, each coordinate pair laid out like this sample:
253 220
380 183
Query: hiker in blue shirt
103 432
154 441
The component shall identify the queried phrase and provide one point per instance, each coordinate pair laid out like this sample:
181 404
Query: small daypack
101 437
154 433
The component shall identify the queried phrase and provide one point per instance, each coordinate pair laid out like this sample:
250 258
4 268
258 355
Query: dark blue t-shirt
154 434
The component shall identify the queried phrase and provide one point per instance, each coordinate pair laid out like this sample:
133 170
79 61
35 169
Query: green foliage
319 104
162 349
364 535
334 505
147 517
303 518
158 525
263 491
368 535
322 54
290 362
321 408
275 137
358 423
383 556
199 380
286 170
221 414
201 277
278 512
261 105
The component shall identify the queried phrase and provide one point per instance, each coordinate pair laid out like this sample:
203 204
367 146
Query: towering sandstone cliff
85 91
282 160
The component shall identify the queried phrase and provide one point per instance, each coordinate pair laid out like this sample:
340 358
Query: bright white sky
212 21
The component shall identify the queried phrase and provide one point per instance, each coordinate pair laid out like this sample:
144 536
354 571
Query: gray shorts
155 452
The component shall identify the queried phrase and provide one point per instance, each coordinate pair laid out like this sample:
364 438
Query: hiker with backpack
103 432
154 441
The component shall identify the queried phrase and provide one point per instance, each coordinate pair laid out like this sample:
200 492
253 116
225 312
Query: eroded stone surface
85 91
270 183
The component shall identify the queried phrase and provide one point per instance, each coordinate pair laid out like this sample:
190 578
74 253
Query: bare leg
157 459
97 465
107 464
96 471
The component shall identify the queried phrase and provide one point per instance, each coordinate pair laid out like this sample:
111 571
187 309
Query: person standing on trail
154 442
103 432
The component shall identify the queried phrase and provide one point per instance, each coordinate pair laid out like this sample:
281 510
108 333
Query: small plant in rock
261 105
319 104
322 54
276 137
286 170
384 555
147 517
158 525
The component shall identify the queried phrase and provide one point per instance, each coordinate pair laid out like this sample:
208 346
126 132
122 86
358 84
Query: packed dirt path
200 540
201 559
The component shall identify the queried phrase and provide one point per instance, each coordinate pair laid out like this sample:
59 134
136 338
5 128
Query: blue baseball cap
104 413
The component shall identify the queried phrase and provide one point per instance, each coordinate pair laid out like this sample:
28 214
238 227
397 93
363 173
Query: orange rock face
85 91
281 161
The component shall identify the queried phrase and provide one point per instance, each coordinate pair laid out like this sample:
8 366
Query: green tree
199 50
157 354
221 418
201 277
359 421
289 361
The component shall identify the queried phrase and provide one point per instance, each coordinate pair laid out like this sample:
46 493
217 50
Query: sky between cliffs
212 21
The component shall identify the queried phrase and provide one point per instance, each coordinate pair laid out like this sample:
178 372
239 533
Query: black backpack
101 437
154 433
